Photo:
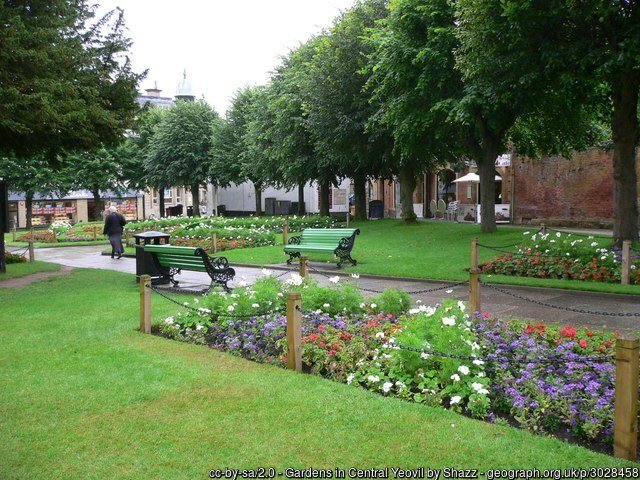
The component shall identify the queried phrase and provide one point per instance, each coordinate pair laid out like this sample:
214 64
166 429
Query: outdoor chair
433 208
452 211
442 208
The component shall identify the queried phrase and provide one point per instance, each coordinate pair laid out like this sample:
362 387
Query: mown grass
17 270
84 395
429 250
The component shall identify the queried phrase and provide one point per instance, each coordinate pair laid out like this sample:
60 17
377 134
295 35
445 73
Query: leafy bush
14 258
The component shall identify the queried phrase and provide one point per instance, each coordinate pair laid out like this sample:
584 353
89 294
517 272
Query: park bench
170 260
338 241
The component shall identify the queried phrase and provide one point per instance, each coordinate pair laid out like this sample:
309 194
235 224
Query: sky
222 44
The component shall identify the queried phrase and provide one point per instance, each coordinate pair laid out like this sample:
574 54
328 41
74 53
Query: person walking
113 226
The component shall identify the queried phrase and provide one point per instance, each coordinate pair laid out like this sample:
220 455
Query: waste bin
144 261
376 209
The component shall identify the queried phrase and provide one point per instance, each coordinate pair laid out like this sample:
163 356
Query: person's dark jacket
113 224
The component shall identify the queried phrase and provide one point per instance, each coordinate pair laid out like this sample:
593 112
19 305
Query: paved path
499 304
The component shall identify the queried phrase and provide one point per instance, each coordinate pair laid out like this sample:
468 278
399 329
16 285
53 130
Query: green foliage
66 83
179 150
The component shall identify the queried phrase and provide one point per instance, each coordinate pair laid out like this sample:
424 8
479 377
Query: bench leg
346 257
292 255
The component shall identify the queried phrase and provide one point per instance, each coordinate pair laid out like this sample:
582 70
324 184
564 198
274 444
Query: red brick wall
566 191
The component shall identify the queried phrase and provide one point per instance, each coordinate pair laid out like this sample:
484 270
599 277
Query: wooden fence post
95 233
474 278
626 262
543 229
214 242
55 236
294 331
32 252
303 266
145 304
14 233
625 436
285 231
127 238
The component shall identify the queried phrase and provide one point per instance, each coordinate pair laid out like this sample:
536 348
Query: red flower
568 331
321 328
583 343
589 333
313 337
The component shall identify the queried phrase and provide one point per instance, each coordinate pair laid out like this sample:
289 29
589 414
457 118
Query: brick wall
556 190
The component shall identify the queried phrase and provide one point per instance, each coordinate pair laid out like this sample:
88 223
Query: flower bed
562 256
546 379
14 258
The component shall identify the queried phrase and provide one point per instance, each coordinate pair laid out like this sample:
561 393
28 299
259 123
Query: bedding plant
543 378
563 256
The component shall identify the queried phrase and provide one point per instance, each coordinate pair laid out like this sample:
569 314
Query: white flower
325 305
480 374
255 305
477 386
362 305
449 291
280 294
400 384
169 320
231 308
453 401
478 362
386 387
379 334
335 279
450 321
373 378
463 369
455 377
526 233
196 301
461 305
350 378
424 355
430 311
558 234
295 279
373 305
483 391
243 283
418 301
266 272
199 327
355 275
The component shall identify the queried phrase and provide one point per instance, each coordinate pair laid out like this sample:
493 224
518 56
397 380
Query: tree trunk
258 189
4 223
195 198
161 202
360 191
487 174
301 206
407 178
325 188
97 204
28 204
624 127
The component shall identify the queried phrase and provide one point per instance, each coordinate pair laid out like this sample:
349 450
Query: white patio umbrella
474 178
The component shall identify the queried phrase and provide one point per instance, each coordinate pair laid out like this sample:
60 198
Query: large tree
338 107
587 51
415 84
180 149
65 82
237 157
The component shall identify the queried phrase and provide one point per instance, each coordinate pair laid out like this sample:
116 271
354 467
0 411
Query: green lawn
84 395
430 250
16 270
